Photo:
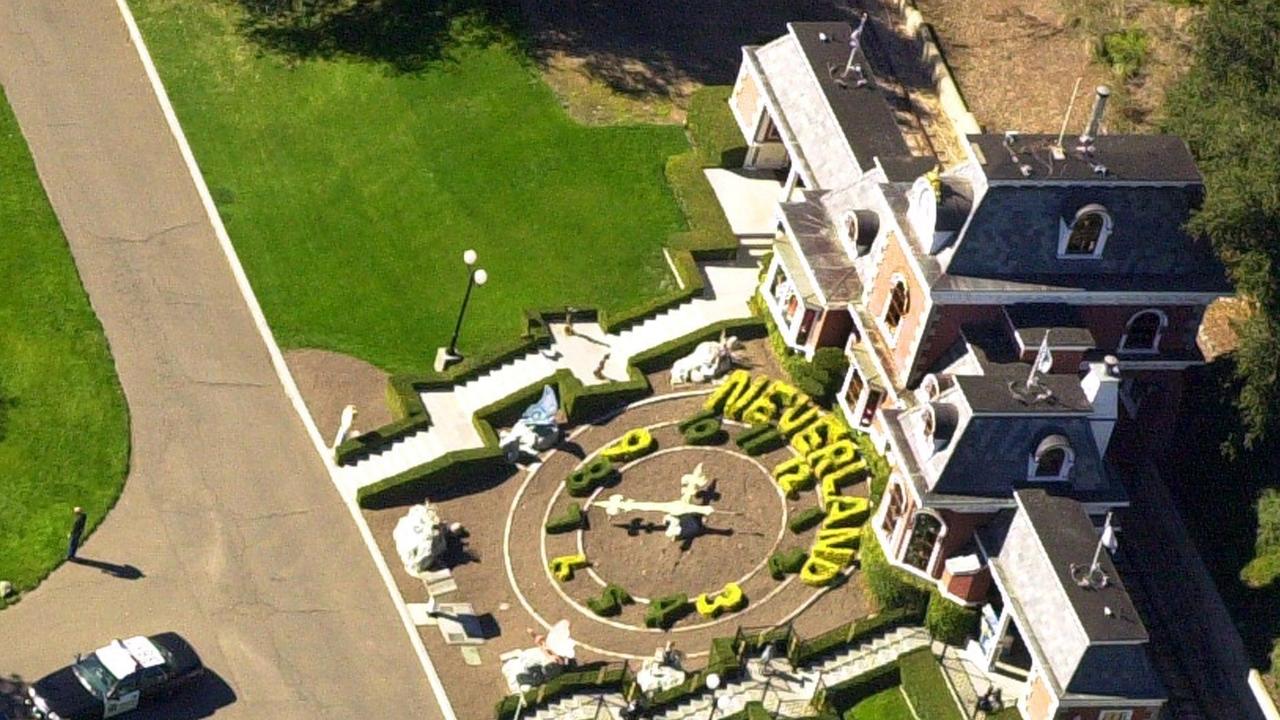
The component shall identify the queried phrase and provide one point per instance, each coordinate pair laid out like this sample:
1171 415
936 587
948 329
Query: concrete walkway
229 514
584 352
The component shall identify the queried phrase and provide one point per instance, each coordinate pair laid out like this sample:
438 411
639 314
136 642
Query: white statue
533 666
708 361
536 430
344 426
419 538
683 518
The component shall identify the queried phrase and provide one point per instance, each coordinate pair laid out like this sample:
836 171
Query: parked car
117 678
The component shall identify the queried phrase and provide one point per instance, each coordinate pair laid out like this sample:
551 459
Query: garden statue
709 360
344 426
661 672
536 430
419 538
683 518
551 654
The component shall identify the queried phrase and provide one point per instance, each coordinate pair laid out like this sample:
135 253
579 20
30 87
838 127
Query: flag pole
1097 553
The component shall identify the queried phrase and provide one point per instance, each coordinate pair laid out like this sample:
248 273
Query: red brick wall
1107 322
960 528
835 329
943 331
893 264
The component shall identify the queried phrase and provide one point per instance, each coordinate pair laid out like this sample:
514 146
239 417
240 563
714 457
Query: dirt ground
1016 61
330 381
644 563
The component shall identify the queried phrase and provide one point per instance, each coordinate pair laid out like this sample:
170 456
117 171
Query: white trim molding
1161 323
1065 231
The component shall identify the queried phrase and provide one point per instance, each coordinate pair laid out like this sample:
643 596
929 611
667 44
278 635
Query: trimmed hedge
604 677
786 562
666 611
852 633
926 688
689 422
764 442
889 586
806 520
584 481
610 601
706 431
949 622
572 519
635 444
862 686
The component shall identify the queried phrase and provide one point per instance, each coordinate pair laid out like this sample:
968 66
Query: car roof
123 657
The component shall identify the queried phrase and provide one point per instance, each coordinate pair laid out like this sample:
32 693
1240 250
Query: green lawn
64 431
926 688
885 705
351 188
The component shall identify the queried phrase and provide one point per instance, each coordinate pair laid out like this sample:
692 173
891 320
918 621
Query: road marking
277 358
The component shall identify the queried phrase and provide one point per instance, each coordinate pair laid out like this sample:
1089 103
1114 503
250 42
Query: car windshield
94 676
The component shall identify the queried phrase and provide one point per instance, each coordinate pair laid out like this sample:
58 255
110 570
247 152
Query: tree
1228 110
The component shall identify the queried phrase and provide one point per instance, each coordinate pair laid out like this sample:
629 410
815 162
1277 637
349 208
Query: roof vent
824 37
1095 120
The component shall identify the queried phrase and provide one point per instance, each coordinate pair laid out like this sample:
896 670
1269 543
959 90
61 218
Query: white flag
1044 358
1109 536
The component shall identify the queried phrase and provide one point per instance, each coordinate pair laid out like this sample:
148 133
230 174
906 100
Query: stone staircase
784 691
583 352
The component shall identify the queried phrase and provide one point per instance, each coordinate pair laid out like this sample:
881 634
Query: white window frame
1033 464
1155 344
1064 233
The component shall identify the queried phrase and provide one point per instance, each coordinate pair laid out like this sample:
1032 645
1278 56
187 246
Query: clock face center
722 530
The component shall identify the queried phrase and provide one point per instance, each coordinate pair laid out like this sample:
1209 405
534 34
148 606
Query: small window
770 132
856 386
1142 332
899 303
896 505
1115 715
1087 233
869 410
1051 460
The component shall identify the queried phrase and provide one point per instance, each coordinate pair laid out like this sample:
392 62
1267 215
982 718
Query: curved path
243 543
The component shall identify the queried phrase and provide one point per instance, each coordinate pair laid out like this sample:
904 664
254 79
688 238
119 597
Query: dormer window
899 304
858 230
939 425
1052 460
1142 332
1087 234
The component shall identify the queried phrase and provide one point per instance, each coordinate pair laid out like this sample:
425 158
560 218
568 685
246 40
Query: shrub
794 475
864 685
666 611
949 622
572 519
729 599
891 587
806 520
786 562
704 432
765 442
1124 51
583 481
610 602
635 444
685 424
751 433
563 566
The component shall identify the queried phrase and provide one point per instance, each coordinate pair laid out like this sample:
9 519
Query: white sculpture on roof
708 361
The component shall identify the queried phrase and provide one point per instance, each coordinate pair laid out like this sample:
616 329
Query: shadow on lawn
406 35
1217 496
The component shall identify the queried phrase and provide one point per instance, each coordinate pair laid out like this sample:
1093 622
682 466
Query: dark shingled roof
1068 536
1117 671
862 112
1066 328
1012 242
825 256
1131 158
1001 392
990 460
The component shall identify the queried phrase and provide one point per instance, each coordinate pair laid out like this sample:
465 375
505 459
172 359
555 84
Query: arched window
1142 332
899 303
925 531
1052 459
1087 233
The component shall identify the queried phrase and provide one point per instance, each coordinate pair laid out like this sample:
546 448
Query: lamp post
475 276
713 683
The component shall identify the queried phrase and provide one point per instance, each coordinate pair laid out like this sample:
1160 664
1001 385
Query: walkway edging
287 382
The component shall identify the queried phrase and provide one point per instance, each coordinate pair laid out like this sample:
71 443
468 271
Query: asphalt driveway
229 530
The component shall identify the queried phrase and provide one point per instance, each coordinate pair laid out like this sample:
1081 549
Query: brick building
946 282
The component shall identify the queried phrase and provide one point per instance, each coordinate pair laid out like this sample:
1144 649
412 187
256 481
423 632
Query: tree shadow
124 572
404 35
1217 492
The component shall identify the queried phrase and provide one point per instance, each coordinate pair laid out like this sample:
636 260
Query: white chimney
1101 386
1095 119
